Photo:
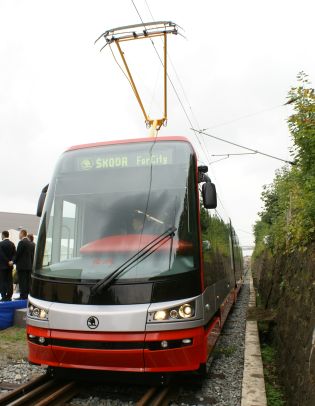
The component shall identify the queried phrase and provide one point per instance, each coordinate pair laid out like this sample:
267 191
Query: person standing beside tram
31 238
7 253
24 262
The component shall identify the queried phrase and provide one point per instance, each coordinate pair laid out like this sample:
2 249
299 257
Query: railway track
157 396
40 391
44 391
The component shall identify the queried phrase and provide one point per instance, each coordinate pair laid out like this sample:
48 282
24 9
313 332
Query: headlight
160 315
37 312
185 311
176 313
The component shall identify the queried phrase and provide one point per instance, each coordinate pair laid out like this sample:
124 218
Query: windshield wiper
138 257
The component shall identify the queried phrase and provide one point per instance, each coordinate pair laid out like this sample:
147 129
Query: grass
13 334
274 390
13 344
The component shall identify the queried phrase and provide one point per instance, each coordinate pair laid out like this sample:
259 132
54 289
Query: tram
135 268
131 272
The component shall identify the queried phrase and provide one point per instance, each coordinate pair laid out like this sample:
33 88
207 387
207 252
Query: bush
287 220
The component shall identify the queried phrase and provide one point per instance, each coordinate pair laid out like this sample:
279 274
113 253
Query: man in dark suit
24 262
7 252
31 238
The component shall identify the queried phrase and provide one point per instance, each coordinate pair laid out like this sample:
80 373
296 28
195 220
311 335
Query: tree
287 220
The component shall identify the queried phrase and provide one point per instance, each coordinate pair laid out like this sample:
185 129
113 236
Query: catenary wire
221 124
242 146
256 113
203 147
172 84
241 153
182 87
176 74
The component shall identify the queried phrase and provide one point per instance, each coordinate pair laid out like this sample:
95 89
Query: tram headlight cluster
181 312
37 312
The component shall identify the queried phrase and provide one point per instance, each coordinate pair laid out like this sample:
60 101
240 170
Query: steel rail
41 391
32 394
21 389
156 396
63 394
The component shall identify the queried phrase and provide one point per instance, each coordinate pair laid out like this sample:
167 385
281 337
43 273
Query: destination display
126 160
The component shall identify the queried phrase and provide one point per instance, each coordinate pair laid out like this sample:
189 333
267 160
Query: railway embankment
286 287
284 258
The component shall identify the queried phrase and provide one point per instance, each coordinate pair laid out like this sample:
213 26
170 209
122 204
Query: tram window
68 224
48 245
215 247
89 225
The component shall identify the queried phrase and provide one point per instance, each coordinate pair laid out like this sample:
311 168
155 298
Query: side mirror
209 195
41 201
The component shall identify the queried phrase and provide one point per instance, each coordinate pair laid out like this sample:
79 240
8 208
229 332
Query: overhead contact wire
170 80
204 148
242 146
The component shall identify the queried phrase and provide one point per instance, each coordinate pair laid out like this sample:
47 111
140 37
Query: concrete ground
253 388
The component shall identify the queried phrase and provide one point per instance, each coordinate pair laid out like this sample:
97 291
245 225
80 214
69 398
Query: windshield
106 203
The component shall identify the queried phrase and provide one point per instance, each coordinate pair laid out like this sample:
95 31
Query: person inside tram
145 223
137 223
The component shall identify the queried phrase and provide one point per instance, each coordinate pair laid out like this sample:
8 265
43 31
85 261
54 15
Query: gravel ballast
223 385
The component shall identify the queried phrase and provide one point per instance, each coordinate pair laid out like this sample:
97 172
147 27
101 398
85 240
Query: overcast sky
238 58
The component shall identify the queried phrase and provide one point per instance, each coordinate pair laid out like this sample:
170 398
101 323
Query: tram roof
129 141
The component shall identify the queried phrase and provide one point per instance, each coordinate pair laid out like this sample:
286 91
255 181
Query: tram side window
215 247
48 244
62 233
68 223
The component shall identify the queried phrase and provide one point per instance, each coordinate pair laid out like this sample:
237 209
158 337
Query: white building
13 222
